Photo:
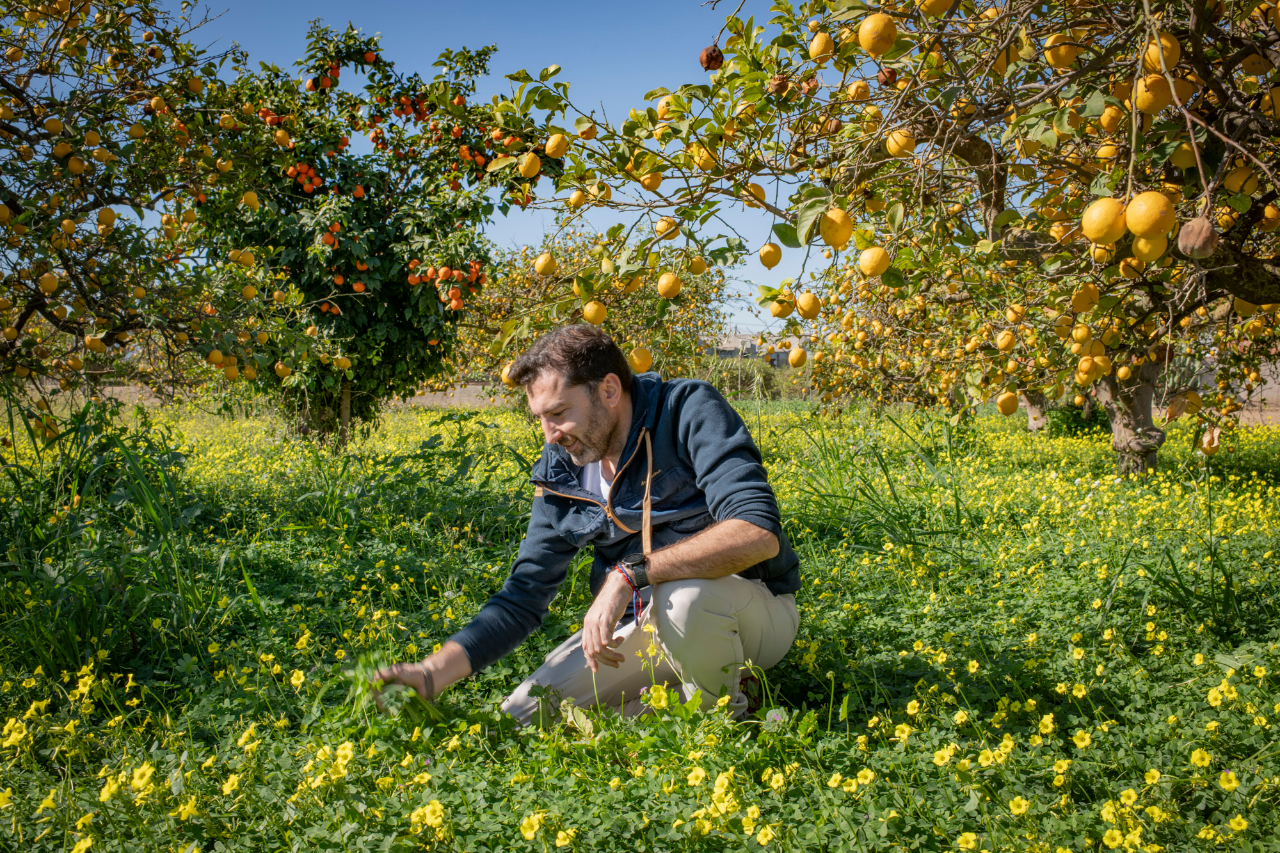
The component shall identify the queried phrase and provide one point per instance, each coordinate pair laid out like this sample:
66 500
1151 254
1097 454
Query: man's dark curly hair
581 353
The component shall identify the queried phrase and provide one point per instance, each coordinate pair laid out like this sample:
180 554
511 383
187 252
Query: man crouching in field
663 480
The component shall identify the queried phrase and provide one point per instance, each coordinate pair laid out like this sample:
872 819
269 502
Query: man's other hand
598 641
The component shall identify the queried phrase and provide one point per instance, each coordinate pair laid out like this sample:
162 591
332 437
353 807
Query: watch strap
640 573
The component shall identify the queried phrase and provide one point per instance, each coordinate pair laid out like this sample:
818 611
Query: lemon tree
1053 201
534 288
107 147
365 252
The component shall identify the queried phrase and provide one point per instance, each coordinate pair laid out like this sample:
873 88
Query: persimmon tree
367 252
1045 199
105 145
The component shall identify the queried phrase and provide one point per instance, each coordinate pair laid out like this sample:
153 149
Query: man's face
575 417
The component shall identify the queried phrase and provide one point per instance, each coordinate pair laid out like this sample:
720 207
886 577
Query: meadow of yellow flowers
1003 647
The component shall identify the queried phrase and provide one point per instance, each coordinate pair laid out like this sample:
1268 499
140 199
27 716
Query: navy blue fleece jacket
706 469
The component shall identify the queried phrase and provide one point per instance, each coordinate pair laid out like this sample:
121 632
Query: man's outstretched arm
430 675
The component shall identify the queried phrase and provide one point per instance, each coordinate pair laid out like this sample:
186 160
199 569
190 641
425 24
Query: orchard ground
1003 646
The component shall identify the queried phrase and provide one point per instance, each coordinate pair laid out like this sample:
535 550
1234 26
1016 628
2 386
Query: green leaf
1095 105
892 278
1006 217
864 238
1240 202
548 72
984 247
895 216
808 216
900 47
786 234
520 76
499 163
656 93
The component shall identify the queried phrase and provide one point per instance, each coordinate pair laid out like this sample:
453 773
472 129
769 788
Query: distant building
744 346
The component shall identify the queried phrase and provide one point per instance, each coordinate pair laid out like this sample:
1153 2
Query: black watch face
633 559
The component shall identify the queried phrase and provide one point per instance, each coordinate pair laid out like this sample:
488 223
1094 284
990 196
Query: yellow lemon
545 264
1007 403
529 165
1103 221
1150 248
770 255
900 143
594 312
1167 43
1152 94
873 261
808 305
640 360
821 48
1148 215
836 227
557 146
877 34
669 285
1060 50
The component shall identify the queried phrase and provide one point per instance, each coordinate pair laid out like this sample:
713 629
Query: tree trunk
1037 410
344 415
1134 436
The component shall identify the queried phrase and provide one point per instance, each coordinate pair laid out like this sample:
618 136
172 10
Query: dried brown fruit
711 58
887 76
778 85
808 86
1198 239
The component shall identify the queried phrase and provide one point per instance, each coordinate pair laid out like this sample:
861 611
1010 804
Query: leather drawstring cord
646 530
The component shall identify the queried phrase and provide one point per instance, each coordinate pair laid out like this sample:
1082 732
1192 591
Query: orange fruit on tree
669 285
594 312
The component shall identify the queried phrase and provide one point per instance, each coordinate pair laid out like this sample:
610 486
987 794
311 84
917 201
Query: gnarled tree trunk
1037 410
1134 435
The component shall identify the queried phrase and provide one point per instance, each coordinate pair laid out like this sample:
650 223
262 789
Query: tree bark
1134 435
344 415
1037 410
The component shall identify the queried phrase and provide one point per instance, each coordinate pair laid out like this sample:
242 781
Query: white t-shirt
593 480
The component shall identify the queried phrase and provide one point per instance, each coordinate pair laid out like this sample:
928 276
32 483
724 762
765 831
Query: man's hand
597 628
412 675
427 677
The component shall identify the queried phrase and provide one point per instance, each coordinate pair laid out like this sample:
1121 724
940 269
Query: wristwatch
636 565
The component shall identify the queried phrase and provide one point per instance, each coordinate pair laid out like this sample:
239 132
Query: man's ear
610 390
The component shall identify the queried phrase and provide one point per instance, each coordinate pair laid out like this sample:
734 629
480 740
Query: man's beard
597 435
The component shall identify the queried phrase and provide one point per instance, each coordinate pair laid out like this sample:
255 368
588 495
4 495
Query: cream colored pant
704 631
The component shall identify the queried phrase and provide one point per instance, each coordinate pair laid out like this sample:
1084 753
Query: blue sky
611 54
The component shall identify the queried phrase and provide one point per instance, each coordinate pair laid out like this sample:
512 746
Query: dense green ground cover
1003 647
